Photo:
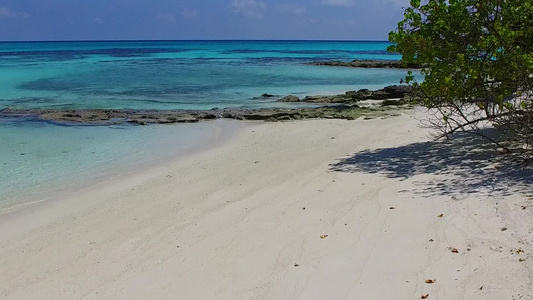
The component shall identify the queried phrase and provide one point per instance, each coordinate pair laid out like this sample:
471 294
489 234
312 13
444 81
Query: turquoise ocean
37 156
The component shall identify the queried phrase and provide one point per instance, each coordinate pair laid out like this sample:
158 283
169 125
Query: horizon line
190 40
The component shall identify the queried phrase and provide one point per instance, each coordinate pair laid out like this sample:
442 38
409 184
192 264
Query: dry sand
319 209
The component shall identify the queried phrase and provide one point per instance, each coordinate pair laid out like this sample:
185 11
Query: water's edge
214 133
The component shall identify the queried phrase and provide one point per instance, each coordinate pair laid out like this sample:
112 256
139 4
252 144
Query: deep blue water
150 75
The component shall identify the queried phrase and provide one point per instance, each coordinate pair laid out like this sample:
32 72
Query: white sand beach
315 209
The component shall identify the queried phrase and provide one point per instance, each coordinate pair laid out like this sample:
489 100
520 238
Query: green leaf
475 55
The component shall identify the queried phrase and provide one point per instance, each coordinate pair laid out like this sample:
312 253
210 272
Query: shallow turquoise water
150 75
33 154
179 75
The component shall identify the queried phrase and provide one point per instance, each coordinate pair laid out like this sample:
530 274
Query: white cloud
247 4
165 17
248 8
98 21
345 3
7 13
293 9
189 14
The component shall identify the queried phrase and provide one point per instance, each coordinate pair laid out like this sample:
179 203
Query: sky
42 20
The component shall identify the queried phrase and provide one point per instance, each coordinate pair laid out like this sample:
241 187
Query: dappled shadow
466 164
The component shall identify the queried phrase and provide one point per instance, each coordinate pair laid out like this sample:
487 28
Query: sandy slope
244 220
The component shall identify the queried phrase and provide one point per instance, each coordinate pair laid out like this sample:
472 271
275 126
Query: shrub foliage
477 58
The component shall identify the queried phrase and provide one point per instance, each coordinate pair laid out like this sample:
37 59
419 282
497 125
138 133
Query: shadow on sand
466 164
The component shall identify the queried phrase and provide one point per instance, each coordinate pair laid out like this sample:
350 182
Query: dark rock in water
397 91
264 96
290 98
110 116
393 91
146 117
314 98
389 92
395 64
345 108
362 94
358 93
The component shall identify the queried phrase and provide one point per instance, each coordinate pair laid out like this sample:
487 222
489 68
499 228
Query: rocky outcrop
345 108
394 64
392 102
112 116
389 92
290 98
397 91
145 117
265 96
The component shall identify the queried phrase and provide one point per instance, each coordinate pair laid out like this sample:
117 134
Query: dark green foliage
478 64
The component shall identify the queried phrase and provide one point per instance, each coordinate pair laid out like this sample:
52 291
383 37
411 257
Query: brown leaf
323 236
392 207
454 250
424 296
431 281
440 216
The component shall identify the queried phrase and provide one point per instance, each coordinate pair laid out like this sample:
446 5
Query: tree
477 64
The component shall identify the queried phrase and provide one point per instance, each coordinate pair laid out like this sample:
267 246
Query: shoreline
347 106
340 106
55 201
61 187
313 209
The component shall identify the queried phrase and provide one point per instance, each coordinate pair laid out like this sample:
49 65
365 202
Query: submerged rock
389 92
146 117
394 64
265 96
289 98
345 108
